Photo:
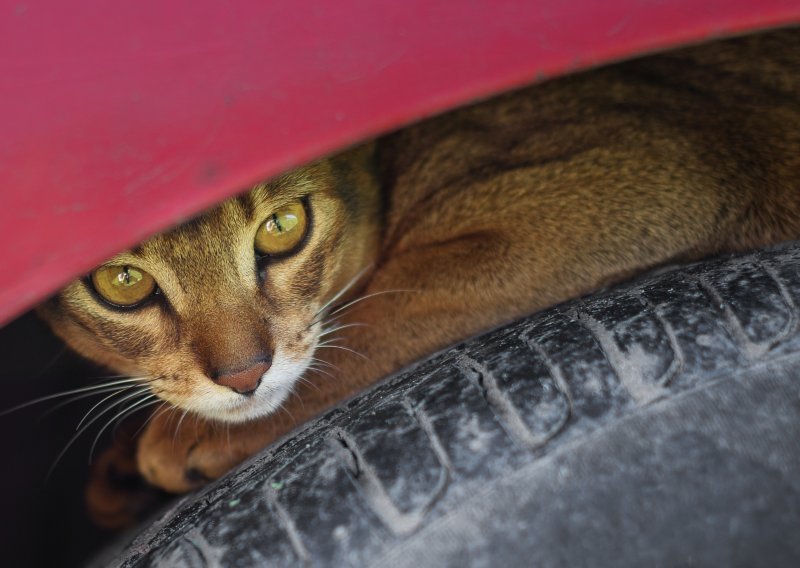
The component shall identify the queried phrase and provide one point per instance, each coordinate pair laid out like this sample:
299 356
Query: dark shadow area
43 520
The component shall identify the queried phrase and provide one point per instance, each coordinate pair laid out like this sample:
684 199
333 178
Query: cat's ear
50 310
356 177
363 156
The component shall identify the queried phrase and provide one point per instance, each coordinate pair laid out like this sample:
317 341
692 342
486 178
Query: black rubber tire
656 424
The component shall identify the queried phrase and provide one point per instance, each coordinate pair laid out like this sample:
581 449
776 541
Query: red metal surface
118 119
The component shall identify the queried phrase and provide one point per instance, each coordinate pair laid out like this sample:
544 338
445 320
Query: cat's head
221 315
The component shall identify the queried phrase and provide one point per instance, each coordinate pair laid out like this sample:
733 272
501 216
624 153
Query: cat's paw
179 456
117 496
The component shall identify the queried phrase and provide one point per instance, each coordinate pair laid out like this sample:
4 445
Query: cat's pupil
124 277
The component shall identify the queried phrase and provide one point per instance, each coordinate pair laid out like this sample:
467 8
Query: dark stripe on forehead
246 205
137 251
345 185
355 172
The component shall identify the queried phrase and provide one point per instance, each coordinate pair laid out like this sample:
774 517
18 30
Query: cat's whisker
86 427
367 297
329 375
353 351
156 413
123 400
76 398
330 341
344 310
326 363
305 381
286 410
178 427
71 392
341 292
104 377
314 370
341 327
121 415
112 395
171 416
51 362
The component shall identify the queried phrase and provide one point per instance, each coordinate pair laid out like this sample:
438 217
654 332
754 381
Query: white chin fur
276 385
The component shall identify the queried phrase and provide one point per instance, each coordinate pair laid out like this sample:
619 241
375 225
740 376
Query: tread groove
436 445
398 522
555 373
624 367
751 350
288 525
677 364
791 326
502 405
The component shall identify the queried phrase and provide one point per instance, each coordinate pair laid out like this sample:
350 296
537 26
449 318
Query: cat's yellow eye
123 285
283 230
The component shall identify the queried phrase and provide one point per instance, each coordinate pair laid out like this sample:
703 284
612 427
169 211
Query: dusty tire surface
653 424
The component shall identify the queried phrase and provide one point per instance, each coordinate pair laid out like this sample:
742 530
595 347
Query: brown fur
485 214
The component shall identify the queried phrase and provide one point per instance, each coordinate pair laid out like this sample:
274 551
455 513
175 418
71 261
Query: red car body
118 119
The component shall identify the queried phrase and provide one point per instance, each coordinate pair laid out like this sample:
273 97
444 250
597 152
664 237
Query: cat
310 287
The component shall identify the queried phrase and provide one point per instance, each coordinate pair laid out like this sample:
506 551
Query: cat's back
730 106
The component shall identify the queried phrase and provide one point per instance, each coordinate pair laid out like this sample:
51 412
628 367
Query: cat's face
221 315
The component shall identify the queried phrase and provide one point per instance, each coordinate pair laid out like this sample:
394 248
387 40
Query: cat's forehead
216 234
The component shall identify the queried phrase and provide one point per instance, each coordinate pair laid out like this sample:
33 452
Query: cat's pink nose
244 382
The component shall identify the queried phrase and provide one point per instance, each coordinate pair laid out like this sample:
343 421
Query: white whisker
353 351
322 371
286 410
121 415
71 392
330 341
326 363
342 292
86 427
341 327
124 399
178 427
112 395
76 398
166 406
104 377
307 382
367 297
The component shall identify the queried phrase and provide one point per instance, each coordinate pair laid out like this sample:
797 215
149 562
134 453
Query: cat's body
462 222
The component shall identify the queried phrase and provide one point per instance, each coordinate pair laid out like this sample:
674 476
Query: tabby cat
310 287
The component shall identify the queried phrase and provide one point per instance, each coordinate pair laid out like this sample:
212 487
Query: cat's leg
116 495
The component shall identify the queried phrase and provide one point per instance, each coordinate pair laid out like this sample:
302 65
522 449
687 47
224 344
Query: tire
655 424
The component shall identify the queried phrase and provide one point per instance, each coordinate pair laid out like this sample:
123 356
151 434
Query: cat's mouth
275 387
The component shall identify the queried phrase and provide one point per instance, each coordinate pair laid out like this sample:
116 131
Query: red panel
118 119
